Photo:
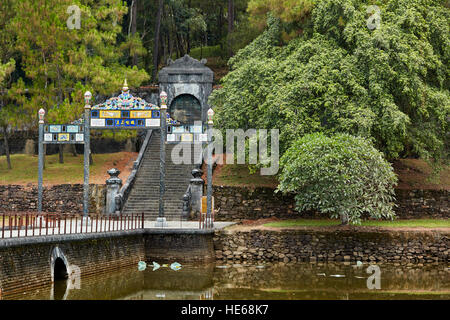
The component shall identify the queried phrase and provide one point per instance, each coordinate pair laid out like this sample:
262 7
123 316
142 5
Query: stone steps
144 196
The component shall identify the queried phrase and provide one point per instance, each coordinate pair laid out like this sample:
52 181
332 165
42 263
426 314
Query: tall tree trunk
179 44
188 38
91 159
5 139
220 22
133 25
74 150
61 153
230 24
168 47
178 37
156 42
344 219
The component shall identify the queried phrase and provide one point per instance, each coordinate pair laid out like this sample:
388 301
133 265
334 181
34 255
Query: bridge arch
59 266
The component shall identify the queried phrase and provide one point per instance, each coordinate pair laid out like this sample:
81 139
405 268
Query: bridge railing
45 224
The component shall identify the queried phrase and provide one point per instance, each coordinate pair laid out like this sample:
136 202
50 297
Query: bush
341 175
205 52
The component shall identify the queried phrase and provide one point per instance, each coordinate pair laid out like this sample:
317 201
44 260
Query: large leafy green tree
389 84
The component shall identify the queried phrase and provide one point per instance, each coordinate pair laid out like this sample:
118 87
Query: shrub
341 175
205 52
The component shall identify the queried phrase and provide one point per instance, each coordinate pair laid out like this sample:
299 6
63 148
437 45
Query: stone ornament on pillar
210 116
41 115
87 99
163 97
113 185
196 191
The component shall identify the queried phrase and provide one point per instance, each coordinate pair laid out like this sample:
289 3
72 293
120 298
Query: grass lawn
25 168
412 174
413 223
239 175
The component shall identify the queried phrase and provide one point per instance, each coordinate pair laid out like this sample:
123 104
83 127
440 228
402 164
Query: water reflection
269 281
59 290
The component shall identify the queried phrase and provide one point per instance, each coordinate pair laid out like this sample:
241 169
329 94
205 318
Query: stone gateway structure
188 84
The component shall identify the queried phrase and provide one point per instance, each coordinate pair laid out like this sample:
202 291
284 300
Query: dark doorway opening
60 271
60 276
186 109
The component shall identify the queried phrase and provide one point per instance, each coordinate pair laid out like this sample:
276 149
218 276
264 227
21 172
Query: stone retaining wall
239 203
231 203
423 203
348 244
64 198
169 245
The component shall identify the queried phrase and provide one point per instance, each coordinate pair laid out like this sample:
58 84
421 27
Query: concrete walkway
186 224
74 227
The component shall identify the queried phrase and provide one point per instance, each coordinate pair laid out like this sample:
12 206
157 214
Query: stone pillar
41 159
209 208
113 185
161 220
87 151
196 190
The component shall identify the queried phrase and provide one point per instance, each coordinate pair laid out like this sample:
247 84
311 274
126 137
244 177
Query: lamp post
209 208
161 220
87 150
41 114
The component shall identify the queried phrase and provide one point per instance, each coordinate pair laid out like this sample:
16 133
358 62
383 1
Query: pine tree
64 58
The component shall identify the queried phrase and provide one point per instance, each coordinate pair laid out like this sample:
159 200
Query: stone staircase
144 196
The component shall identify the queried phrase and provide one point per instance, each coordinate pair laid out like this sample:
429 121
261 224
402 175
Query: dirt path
124 165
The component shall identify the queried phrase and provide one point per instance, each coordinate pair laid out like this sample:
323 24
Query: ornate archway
186 109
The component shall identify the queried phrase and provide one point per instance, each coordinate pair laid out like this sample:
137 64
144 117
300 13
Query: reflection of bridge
207 294
130 284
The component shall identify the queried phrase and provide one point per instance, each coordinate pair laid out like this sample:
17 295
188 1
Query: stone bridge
33 262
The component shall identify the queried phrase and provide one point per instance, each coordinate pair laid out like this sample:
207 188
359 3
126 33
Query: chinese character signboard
64 133
186 133
125 112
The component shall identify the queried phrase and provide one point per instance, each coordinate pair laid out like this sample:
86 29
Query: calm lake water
257 281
